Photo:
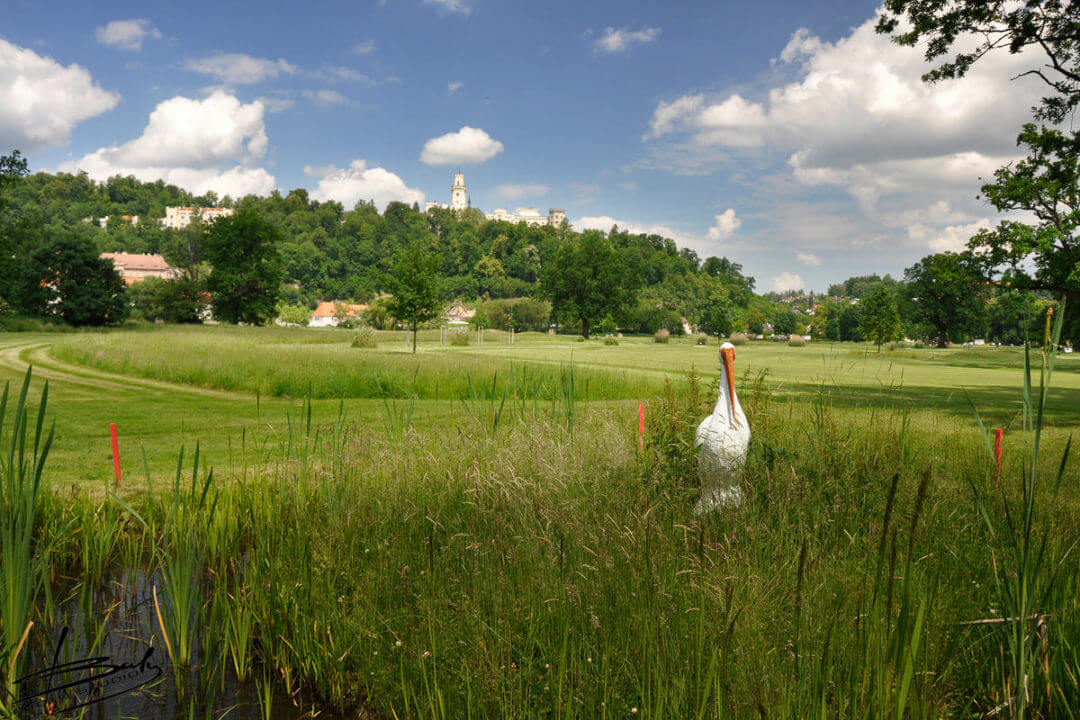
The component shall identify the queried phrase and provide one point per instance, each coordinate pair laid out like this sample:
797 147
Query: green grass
489 558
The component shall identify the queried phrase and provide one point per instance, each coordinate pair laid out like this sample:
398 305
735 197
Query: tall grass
21 571
325 370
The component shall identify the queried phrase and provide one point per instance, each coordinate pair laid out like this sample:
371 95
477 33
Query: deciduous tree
585 279
415 286
245 279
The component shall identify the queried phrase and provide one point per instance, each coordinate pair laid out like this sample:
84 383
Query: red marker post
641 424
999 433
115 453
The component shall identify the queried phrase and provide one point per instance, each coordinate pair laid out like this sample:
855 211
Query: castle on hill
459 200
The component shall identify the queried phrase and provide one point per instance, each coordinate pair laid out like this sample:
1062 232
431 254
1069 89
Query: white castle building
459 200
180 217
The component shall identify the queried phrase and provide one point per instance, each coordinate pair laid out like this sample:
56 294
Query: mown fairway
474 531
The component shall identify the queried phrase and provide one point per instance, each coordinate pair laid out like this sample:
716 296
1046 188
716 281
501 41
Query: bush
609 340
365 338
459 337
662 335
738 339
702 339
796 341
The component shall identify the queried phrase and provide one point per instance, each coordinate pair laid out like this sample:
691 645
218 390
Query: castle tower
556 216
459 198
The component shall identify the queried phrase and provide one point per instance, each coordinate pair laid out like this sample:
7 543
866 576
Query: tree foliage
245 282
880 322
66 278
585 280
415 286
949 295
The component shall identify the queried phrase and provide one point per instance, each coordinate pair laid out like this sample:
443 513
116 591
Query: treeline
323 251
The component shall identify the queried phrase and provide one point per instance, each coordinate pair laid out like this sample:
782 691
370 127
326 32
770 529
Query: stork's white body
724 438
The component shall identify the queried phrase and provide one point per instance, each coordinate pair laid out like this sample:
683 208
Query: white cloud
127 34
453 86
952 238
808 259
43 100
191 143
613 41
605 222
857 116
359 182
467 145
725 227
517 192
786 281
326 97
451 6
276 104
240 69
363 48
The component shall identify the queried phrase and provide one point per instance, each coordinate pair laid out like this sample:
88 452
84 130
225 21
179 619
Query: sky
783 134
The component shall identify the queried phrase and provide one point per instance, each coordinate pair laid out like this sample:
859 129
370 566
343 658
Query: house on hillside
135 268
332 314
459 314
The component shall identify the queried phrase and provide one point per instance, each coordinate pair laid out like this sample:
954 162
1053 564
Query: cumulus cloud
43 100
808 259
359 182
450 6
613 41
240 69
192 143
952 238
517 192
605 222
453 86
725 226
858 116
127 34
467 145
786 281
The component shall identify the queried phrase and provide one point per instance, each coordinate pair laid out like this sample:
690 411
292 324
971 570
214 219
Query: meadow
479 532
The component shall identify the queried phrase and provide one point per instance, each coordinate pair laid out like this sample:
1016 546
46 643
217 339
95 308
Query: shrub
702 339
662 335
609 340
459 337
738 339
796 341
365 338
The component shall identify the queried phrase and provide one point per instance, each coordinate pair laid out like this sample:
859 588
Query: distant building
459 314
136 268
180 217
102 222
530 216
459 200
330 314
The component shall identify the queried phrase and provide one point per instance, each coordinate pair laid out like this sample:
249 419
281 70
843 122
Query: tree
415 286
717 313
245 279
1044 183
948 294
880 318
980 27
1044 255
585 279
67 278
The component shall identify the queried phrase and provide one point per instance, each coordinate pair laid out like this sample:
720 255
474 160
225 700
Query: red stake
641 423
115 453
998 434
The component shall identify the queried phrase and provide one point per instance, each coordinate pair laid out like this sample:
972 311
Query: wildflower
398 643
633 711
588 659
427 653
547 666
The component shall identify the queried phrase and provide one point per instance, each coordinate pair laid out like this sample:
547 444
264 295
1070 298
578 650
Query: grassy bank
541 566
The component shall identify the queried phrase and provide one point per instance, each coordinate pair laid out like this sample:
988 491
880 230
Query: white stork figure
724 437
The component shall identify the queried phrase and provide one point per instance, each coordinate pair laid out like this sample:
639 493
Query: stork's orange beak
728 356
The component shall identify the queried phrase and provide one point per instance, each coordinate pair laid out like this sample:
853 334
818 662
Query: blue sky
785 135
